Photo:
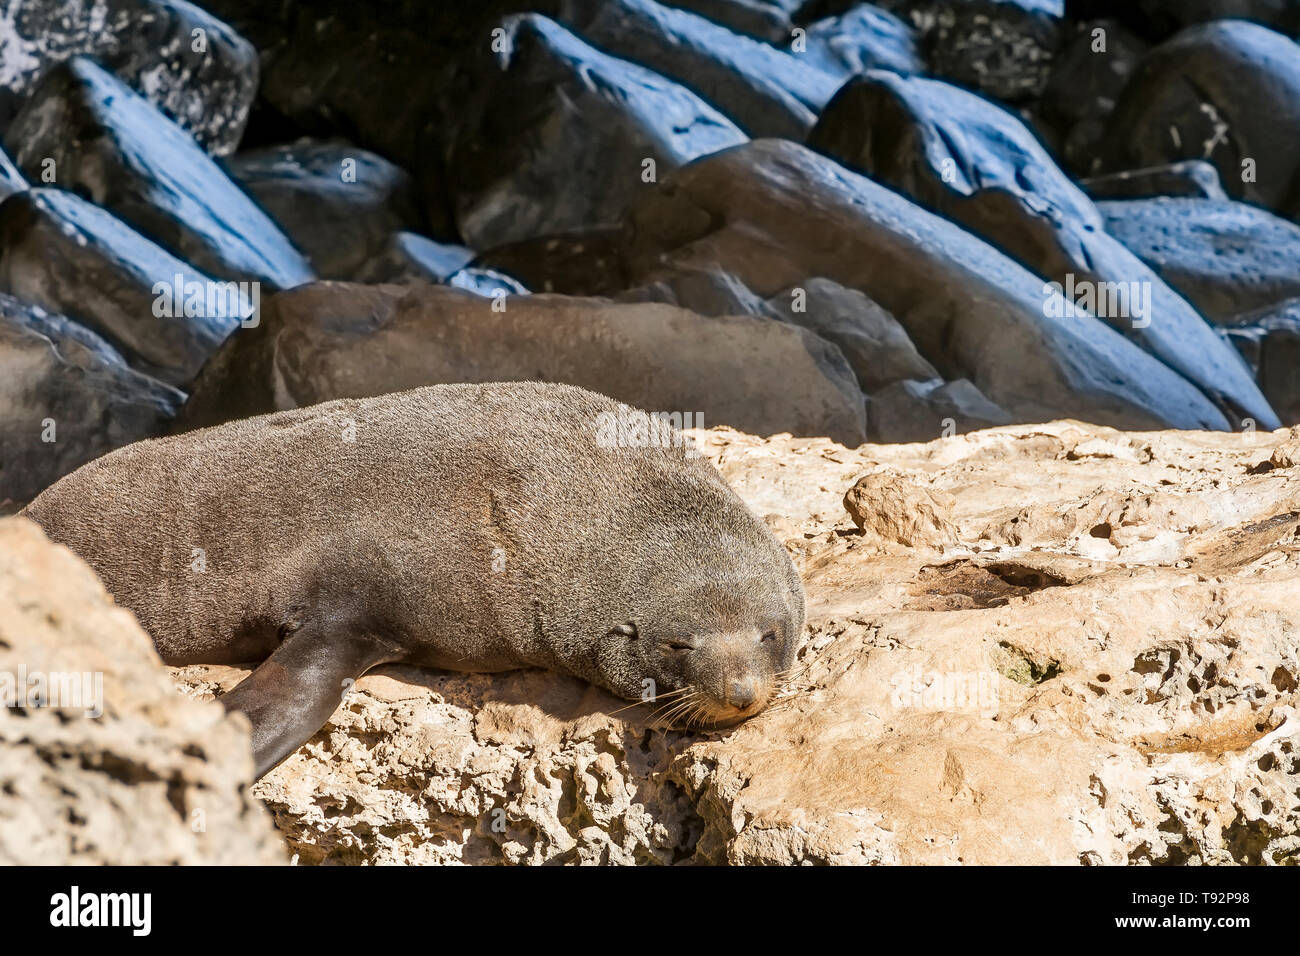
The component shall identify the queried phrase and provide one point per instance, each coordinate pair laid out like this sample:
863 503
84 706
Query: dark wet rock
375 72
337 203
1248 330
577 263
11 177
69 256
1225 257
66 396
204 81
913 410
1002 48
1228 92
558 135
768 20
114 147
709 291
485 282
1269 339
765 91
977 164
408 257
1157 20
1279 371
1086 80
1077 147
263 24
1091 71
330 340
773 213
875 344
1037 123
860 39
1192 178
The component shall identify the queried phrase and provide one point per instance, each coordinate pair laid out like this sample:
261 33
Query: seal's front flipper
293 692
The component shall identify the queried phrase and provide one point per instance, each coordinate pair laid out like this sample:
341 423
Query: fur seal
463 527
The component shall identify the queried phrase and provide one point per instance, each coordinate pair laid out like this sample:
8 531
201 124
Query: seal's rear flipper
293 692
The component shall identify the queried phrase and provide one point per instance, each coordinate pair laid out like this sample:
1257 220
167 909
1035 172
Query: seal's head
711 653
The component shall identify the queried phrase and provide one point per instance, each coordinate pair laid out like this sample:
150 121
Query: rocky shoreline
960 213
1057 644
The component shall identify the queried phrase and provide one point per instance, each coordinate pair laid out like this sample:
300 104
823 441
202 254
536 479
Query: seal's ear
627 630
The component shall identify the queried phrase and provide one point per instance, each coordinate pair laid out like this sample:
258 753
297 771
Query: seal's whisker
627 707
700 713
673 693
693 712
677 707
658 713
680 707
791 682
653 700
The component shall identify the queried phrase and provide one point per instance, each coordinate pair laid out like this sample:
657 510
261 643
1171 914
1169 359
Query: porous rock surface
1087 653
154 778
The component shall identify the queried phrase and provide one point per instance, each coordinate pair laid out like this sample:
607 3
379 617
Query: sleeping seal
465 527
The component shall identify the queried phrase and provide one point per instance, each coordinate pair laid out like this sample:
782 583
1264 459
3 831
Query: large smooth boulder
111 765
187 63
66 396
1228 92
116 148
977 164
874 344
337 203
557 136
773 213
873 341
333 340
911 410
69 256
1225 257
862 38
765 91
768 20
710 292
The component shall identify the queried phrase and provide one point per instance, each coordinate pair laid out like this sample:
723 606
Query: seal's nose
741 693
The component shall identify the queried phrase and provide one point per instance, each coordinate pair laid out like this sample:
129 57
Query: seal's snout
733 672
742 693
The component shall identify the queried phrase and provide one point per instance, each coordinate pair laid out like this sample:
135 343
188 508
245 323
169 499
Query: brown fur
469 527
